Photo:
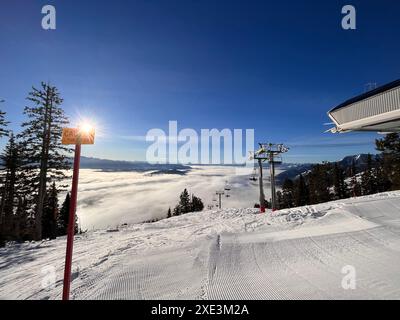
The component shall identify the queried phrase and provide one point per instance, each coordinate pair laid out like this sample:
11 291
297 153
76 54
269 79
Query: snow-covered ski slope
229 254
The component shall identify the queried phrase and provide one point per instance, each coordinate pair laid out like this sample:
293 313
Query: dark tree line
330 181
33 166
187 203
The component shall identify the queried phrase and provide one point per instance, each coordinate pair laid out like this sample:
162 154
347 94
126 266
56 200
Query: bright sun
86 127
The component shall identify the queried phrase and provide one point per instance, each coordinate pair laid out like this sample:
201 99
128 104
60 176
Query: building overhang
377 110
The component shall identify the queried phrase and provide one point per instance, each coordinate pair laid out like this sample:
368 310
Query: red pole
71 223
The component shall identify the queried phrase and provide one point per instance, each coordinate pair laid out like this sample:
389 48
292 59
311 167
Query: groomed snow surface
229 254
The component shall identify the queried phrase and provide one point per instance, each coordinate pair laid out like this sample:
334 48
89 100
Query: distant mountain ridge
360 160
293 171
139 166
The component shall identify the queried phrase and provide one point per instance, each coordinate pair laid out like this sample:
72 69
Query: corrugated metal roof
386 87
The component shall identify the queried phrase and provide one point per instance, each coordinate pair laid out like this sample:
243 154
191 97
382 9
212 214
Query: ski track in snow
294 253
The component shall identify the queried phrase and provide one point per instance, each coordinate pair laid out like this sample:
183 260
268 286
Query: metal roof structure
377 110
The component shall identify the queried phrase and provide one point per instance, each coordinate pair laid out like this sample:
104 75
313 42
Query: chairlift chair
278 160
254 175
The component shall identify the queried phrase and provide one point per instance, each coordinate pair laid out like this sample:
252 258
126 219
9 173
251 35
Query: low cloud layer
107 199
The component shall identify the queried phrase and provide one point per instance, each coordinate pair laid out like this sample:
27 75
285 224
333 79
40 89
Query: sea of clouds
108 199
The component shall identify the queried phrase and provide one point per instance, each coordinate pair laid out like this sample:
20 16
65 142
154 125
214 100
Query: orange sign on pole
77 136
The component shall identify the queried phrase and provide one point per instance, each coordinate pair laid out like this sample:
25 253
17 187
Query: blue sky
275 66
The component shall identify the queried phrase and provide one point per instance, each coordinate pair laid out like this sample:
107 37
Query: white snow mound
223 254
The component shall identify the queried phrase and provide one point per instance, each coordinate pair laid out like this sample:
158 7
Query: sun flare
86 127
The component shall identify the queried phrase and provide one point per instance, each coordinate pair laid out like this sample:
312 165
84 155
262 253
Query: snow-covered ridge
212 254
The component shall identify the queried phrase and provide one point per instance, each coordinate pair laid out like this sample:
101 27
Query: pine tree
169 214
389 146
188 204
368 179
63 218
184 202
288 194
383 182
3 132
354 184
340 187
177 210
11 178
24 231
46 157
196 204
319 183
3 123
50 213
279 200
301 192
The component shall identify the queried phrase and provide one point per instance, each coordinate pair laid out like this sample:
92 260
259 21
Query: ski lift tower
220 193
270 152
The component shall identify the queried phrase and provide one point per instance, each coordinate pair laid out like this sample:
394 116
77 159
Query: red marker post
84 135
